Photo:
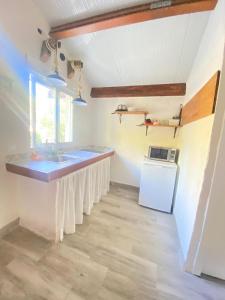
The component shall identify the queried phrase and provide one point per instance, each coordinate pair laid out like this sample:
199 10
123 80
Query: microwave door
155 153
164 154
159 153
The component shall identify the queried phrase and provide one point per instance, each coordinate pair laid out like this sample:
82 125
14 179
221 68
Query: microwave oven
163 154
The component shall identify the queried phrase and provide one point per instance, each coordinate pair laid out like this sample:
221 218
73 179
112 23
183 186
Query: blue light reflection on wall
16 94
14 60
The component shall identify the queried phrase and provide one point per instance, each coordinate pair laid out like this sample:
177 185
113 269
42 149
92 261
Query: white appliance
157 184
163 153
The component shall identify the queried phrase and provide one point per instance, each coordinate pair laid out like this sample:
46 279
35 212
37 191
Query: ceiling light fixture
54 78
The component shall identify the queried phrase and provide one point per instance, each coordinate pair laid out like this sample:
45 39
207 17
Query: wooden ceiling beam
172 89
140 13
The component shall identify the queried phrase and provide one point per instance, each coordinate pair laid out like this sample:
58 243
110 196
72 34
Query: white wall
206 254
84 119
96 125
18 25
212 249
129 140
194 138
193 143
19 21
13 137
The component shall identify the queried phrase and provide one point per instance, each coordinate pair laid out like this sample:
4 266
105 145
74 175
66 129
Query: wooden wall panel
203 103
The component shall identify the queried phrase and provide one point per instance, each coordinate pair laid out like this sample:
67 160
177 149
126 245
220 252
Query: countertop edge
47 177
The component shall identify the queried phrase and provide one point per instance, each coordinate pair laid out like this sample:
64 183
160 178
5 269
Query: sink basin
60 158
81 154
92 150
72 156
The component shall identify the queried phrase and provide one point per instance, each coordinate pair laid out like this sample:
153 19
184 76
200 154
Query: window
45 111
65 118
51 114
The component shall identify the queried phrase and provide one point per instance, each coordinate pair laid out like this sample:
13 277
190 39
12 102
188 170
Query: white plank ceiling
61 11
159 51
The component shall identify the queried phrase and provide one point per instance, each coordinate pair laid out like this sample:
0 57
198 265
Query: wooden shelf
137 112
147 125
160 125
130 112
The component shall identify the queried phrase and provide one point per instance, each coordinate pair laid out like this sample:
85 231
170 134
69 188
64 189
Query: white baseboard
123 185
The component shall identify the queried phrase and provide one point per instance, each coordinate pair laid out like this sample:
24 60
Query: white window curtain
76 194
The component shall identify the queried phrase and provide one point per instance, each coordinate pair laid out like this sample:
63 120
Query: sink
72 156
78 155
60 158
92 150
81 154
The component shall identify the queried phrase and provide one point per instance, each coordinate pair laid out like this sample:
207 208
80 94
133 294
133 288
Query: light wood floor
122 251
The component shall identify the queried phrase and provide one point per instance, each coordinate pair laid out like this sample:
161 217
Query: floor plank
122 251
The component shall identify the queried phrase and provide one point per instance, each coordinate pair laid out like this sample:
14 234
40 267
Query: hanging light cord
52 46
79 82
56 57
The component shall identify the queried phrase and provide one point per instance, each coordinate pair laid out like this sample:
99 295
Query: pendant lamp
54 78
79 100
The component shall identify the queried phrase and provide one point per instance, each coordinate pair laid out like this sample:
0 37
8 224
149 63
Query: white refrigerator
157 185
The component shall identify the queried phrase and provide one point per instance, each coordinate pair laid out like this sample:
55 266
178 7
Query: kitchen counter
48 170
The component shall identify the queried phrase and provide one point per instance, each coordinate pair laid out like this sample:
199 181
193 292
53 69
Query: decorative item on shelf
55 78
148 122
164 122
78 64
123 110
156 123
174 122
131 108
122 107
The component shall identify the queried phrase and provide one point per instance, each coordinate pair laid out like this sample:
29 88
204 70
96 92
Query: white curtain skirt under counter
76 194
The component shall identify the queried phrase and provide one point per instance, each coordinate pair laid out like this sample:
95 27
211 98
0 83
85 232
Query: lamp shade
79 101
56 79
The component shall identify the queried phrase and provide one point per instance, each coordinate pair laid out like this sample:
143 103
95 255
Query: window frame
58 103
33 80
